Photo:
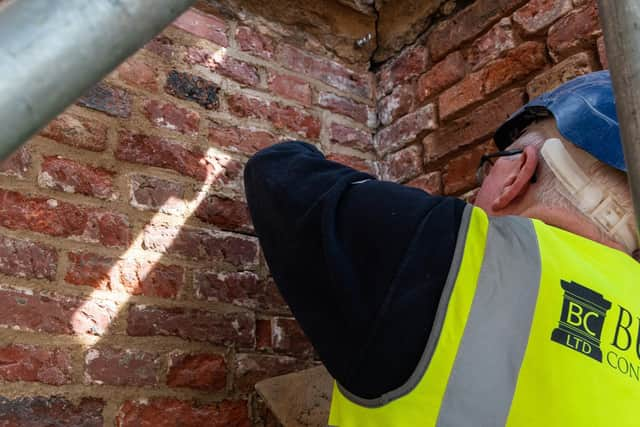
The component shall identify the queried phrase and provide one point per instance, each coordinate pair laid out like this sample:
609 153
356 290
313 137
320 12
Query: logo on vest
581 321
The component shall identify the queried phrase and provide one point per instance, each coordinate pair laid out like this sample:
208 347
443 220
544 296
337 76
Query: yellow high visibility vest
536 327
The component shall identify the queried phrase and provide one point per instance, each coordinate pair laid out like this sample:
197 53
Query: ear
518 180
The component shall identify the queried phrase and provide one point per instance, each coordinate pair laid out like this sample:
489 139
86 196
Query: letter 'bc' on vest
536 327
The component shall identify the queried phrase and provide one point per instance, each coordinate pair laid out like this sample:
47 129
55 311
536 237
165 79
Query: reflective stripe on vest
536 326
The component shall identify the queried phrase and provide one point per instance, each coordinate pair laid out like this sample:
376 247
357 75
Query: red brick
203 25
198 371
490 46
576 31
54 314
228 328
169 116
409 64
290 87
17 164
253 368
158 152
464 94
397 104
517 64
121 367
61 219
402 165
192 88
460 172
430 182
405 130
467 25
225 213
39 411
170 412
325 70
162 46
240 140
35 364
346 136
202 244
73 177
263 334
225 65
442 75
347 107
602 53
255 43
537 15
108 99
475 126
574 66
280 116
357 163
87 269
77 131
287 337
27 259
151 193
137 72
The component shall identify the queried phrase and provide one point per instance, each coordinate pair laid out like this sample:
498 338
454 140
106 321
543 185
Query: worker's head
562 162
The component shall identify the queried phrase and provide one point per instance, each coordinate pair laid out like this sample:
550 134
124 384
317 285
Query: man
428 311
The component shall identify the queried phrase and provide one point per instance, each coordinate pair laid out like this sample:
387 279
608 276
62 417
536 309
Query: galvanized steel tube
52 51
621 23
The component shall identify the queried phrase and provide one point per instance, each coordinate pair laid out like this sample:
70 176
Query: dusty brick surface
255 43
252 368
137 72
203 371
430 182
192 88
114 366
347 136
290 87
537 15
30 260
491 45
397 104
73 177
442 75
406 129
341 105
38 411
18 164
35 364
203 25
572 67
169 116
151 193
225 213
77 131
108 99
577 30
402 165
225 65
236 139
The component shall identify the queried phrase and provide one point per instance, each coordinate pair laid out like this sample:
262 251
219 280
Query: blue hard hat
585 113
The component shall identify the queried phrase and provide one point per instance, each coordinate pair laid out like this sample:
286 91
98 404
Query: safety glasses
486 162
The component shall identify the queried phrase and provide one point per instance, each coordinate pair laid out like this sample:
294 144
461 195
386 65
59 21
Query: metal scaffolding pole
621 24
52 51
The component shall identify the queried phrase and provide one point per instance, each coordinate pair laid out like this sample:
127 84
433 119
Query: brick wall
133 292
441 98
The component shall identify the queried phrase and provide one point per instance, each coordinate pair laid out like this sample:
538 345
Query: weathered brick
54 314
357 163
204 371
442 75
402 165
280 116
263 334
158 152
27 259
203 25
108 99
35 364
169 116
87 269
409 64
151 193
397 104
223 328
517 64
405 130
464 94
77 131
287 337
574 66
62 219
430 182
290 87
224 65
253 368
225 213
460 172
137 72
537 15
17 164
240 140
491 45
348 136
203 244
578 30
325 70
347 107
39 411
192 88
114 366
162 46
73 177
602 53
166 412
255 43
475 126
